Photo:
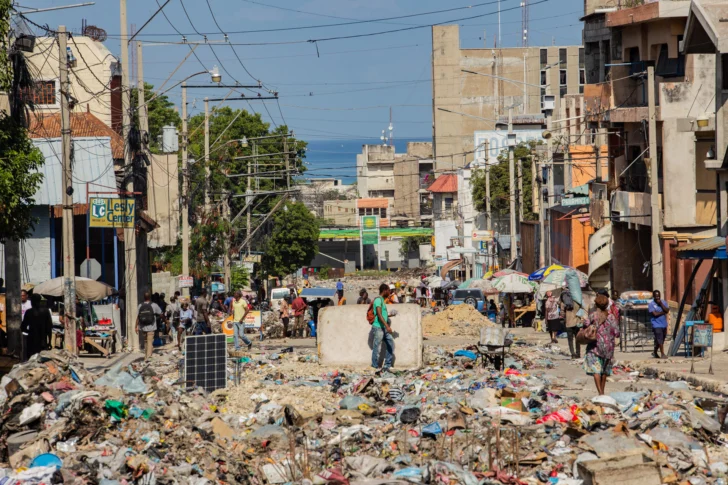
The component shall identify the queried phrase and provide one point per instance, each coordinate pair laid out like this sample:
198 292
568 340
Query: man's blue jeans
239 333
377 335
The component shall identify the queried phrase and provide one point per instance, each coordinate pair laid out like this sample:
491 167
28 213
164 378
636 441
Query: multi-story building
633 39
464 102
401 178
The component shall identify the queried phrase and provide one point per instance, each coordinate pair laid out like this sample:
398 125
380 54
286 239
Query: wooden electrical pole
207 156
512 188
69 261
658 282
520 190
185 194
130 252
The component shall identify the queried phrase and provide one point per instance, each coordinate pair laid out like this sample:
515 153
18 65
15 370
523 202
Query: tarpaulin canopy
86 288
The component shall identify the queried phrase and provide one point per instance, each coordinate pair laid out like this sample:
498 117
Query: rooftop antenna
524 22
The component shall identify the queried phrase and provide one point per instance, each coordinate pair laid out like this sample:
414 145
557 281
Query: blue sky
342 92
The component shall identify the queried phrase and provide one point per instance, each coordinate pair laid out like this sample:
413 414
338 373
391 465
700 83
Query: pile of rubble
455 321
291 420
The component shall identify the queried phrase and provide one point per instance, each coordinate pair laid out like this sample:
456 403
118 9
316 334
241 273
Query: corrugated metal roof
93 163
710 244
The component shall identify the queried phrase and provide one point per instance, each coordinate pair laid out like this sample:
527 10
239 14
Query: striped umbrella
540 274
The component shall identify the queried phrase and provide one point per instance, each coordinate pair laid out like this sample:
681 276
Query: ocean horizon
337 158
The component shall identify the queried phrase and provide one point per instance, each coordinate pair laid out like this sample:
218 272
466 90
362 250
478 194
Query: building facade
464 103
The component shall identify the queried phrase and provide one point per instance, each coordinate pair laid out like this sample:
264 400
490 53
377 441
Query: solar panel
205 362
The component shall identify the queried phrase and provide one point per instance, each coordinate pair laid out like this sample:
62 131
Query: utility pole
185 192
550 187
520 190
512 188
656 224
541 214
285 149
130 253
69 261
249 200
226 245
207 155
143 111
488 213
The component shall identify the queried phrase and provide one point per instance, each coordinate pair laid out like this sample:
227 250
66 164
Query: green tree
160 113
239 277
19 179
412 243
293 241
500 184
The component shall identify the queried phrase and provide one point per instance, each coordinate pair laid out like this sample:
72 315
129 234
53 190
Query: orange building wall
570 241
584 164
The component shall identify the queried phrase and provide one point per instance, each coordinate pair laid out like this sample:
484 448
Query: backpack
567 300
146 315
371 316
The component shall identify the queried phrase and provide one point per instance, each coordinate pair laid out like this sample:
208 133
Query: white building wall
35 252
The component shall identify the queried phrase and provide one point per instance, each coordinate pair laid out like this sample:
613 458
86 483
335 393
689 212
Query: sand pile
456 321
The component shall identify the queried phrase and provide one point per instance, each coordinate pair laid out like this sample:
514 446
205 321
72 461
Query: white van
276 297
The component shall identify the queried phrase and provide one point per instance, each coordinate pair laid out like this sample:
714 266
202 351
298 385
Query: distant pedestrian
162 303
146 321
342 300
658 316
569 309
25 303
240 311
553 320
381 330
600 353
363 297
391 295
37 328
340 289
285 314
299 307
229 302
202 314
186 320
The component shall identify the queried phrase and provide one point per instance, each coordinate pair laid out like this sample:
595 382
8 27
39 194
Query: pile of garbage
291 420
455 321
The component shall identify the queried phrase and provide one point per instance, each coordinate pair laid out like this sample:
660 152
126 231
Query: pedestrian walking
37 328
172 314
25 303
146 321
240 311
658 316
342 300
299 307
285 314
340 289
600 352
381 330
553 319
569 309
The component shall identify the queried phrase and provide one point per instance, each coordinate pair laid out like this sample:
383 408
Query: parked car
474 297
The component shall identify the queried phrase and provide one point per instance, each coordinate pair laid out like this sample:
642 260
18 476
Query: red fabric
298 306
79 338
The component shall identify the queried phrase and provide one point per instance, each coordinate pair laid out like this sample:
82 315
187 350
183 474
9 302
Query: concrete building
95 79
464 102
402 178
685 84
315 193
445 197
341 213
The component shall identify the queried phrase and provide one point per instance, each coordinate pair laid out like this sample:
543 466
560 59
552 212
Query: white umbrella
513 283
86 288
435 282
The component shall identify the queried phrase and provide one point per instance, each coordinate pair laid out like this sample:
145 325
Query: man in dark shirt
37 327
363 297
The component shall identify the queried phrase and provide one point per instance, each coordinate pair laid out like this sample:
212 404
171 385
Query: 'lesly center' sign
112 212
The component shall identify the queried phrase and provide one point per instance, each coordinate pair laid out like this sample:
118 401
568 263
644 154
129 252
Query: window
581 58
383 213
544 57
562 58
582 76
562 77
669 67
448 203
543 78
44 93
563 91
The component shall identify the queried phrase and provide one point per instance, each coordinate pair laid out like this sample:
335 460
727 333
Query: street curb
707 383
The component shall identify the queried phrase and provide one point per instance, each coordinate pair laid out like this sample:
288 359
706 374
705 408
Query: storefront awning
711 248
450 265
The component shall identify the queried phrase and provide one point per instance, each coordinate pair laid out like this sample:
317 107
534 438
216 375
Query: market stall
99 334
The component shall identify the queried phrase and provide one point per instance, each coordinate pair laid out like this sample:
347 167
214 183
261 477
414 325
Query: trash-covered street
292 420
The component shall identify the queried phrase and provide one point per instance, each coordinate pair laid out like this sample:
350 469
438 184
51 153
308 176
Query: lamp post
215 77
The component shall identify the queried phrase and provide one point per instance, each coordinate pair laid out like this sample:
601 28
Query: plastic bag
561 416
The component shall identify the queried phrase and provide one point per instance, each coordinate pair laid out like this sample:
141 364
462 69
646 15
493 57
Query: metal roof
709 244
92 163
